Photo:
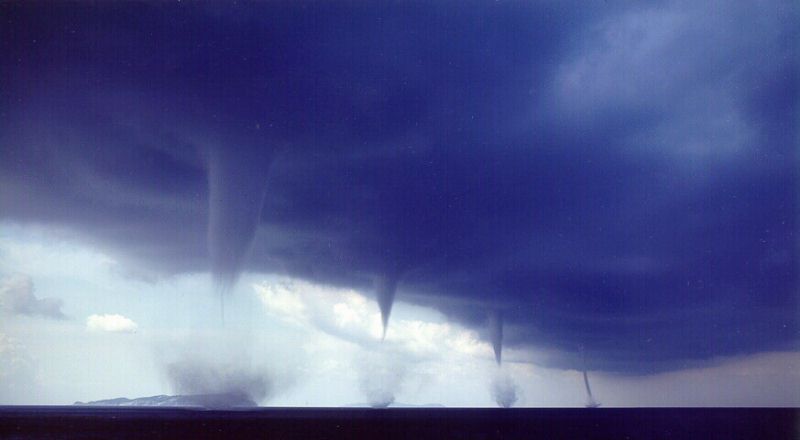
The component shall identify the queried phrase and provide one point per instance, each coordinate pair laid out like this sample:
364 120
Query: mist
381 375
221 369
504 390
222 380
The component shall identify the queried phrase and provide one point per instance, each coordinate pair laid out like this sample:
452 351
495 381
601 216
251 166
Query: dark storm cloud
619 177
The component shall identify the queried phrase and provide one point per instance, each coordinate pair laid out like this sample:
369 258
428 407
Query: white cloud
341 312
281 300
342 339
17 297
350 315
110 323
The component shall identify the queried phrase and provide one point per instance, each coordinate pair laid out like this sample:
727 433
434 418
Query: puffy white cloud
17 297
110 323
341 312
283 301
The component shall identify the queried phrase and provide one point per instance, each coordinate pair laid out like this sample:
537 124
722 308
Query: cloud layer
17 297
617 176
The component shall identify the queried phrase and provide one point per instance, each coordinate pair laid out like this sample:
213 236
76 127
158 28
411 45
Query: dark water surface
443 423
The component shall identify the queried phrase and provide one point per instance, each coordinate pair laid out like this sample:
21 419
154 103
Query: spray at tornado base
221 385
381 374
504 390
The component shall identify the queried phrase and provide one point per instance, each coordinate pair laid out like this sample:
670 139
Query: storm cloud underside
623 177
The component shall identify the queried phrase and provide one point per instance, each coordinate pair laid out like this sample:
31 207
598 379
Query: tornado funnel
237 181
590 402
385 290
496 334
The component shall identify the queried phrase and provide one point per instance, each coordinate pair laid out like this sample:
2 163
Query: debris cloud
504 390
193 378
218 368
381 375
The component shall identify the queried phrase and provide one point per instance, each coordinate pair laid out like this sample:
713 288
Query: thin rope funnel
590 402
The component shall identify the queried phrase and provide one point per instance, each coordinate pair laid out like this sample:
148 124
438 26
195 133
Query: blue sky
608 178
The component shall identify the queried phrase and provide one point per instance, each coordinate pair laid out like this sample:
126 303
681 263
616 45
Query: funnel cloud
385 291
496 334
237 185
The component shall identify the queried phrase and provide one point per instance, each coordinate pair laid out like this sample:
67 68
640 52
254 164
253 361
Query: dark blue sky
610 175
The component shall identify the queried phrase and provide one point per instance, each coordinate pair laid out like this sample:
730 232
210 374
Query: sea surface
76 422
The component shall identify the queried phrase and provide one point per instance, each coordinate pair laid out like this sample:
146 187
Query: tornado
237 187
385 291
496 334
590 402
